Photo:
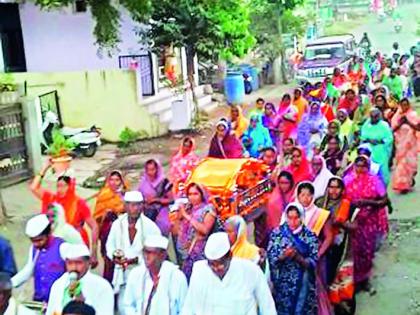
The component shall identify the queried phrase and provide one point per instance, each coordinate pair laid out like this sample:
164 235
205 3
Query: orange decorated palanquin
236 186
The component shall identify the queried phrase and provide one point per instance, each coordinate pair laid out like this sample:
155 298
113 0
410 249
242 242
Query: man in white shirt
222 285
125 242
157 287
79 284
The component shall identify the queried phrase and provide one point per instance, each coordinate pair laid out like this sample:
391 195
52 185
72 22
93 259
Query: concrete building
55 52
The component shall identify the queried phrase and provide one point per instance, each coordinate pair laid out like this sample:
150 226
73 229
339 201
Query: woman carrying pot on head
76 209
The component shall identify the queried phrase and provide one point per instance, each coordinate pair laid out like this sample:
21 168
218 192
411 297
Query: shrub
128 137
7 83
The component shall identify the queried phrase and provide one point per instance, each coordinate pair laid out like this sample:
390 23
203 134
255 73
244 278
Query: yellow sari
242 248
108 199
241 124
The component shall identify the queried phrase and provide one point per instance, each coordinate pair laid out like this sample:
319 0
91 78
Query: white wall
61 40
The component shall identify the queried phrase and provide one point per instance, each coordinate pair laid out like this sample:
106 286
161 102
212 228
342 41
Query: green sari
381 152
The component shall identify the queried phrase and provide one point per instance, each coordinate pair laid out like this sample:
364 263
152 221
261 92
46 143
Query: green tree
270 20
207 28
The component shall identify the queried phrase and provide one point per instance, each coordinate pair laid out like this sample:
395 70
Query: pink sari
405 151
182 165
276 204
372 223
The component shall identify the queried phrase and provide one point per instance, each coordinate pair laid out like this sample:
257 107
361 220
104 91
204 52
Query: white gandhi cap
74 251
36 225
217 246
133 196
156 241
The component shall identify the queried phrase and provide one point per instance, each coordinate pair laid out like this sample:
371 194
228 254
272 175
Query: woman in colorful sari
368 193
279 198
321 175
406 125
182 163
327 110
338 78
347 127
334 155
271 120
237 230
157 192
76 209
239 123
361 114
293 255
284 104
339 257
382 104
269 156
197 219
377 133
109 205
285 155
257 137
299 167
224 144
349 102
300 102
318 221
312 129
289 116
332 131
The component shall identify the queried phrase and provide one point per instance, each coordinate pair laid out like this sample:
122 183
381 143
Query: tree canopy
271 19
207 27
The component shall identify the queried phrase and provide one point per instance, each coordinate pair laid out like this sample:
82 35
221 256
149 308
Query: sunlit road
382 35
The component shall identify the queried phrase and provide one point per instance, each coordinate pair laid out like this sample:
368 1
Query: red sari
349 105
303 171
76 209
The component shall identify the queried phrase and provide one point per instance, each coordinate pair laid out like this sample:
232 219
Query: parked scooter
87 140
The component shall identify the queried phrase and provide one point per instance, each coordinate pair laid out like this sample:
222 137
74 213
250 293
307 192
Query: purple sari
158 187
227 148
190 245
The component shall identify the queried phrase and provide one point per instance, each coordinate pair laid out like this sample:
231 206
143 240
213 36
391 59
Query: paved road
382 35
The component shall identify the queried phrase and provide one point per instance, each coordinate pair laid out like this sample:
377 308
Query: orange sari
75 208
108 200
405 168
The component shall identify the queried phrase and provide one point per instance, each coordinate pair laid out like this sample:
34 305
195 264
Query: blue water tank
255 81
253 73
234 87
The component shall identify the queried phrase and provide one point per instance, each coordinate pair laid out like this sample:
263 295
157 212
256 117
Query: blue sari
294 286
256 139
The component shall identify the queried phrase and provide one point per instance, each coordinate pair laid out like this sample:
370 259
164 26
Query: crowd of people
332 148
